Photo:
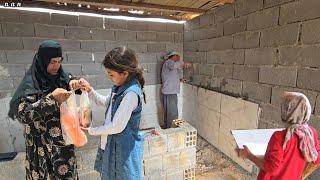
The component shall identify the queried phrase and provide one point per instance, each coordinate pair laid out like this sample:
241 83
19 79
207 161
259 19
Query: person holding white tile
289 150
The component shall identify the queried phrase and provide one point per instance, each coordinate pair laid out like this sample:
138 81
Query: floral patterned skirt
50 162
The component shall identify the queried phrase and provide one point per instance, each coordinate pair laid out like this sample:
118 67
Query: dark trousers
170 108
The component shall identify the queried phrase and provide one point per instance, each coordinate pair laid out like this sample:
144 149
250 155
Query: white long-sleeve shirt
121 117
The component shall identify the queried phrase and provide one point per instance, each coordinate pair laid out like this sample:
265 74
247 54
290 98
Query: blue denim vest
122 157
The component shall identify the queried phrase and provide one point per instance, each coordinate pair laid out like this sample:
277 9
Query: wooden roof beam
93 9
135 5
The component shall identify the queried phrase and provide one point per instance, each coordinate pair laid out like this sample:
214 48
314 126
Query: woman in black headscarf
36 105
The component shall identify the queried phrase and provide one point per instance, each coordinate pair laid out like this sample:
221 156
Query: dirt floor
214 165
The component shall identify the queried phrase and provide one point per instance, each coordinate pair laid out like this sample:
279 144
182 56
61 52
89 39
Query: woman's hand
183 80
85 128
85 85
186 65
244 153
61 95
74 84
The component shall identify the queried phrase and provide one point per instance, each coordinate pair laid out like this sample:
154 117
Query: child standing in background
120 154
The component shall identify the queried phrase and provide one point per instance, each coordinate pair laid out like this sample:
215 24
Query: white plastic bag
85 110
71 131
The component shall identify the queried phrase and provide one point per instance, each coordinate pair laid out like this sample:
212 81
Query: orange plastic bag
85 110
71 131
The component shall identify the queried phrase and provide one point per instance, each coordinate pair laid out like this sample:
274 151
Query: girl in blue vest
120 154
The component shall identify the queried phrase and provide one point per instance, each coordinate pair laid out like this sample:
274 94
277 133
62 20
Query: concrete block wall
171 155
256 49
214 114
85 41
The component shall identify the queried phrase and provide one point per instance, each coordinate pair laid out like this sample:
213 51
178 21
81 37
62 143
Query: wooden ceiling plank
185 3
210 5
75 8
199 3
130 5
172 2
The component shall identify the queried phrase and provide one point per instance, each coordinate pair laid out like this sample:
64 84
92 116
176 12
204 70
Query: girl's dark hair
122 59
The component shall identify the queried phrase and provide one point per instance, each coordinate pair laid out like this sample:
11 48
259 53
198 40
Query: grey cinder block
285 76
31 43
146 36
93 69
235 25
178 37
246 73
79 57
165 37
126 35
192 24
20 56
11 43
271 3
247 39
188 36
137 25
78 33
18 29
138 47
224 71
49 31
263 19
224 12
9 15
305 56
157 26
90 21
64 19
299 11
308 79
280 36
6 84
191 46
172 27
69 45
260 56
93 45
34 17
243 7
115 23
102 34
310 32
74 69
257 91
207 19
226 57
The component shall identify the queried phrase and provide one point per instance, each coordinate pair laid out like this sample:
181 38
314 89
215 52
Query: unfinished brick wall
85 41
256 49
172 155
